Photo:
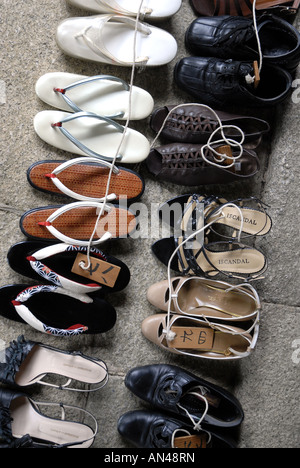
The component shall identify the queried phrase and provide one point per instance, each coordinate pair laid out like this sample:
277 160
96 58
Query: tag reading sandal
110 39
28 362
91 135
89 177
56 311
75 223
202 297
102 94
61 265
27 427
200 338
153 11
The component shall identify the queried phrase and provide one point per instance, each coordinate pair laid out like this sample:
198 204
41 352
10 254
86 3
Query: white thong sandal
88 134
155 10
110 39
102 94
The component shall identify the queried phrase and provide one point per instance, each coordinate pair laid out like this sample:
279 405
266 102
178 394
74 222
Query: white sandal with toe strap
155 10
111 39
101 94
91 135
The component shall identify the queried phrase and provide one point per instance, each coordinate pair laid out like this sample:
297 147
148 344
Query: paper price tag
189 442
99 271
192 338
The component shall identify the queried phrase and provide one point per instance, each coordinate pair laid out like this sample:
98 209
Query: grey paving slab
267 383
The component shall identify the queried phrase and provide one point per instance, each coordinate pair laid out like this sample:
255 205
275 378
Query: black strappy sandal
229 258
186 211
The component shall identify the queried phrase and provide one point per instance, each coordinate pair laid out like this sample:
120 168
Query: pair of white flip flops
87 122
115 37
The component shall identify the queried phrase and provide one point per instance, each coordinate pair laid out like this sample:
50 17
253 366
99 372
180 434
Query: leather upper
219 83
195 124
234 37
155 429
182 164
164 386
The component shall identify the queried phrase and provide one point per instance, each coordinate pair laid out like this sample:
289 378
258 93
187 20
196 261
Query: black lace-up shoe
176 391
222 83
145 429
233 37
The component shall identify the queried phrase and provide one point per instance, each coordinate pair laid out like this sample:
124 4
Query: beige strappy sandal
200 338
201 297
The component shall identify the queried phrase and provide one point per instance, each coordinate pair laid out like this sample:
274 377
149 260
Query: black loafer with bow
196 401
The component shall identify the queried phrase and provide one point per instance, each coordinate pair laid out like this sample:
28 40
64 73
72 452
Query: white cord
251 79
221 128
87 266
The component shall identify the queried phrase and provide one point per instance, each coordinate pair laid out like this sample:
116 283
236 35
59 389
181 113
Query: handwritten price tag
192 338
99 271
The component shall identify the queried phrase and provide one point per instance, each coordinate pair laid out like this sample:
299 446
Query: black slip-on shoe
234 37
221 83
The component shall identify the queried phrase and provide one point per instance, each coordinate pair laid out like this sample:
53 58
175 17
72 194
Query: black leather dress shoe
221 83
181 393
145 429
233 37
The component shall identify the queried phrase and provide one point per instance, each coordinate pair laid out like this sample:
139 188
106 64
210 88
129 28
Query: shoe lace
240 35
171 391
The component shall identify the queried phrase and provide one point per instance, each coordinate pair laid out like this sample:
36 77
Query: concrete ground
266 383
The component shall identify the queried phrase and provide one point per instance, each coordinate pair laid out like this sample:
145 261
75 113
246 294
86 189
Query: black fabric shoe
233 37
145 429
176 391
222 83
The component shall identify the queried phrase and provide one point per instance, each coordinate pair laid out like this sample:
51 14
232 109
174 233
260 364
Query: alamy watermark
296 92
296 352
2 93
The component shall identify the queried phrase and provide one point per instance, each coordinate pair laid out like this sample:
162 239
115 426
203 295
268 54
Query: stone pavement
266 383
